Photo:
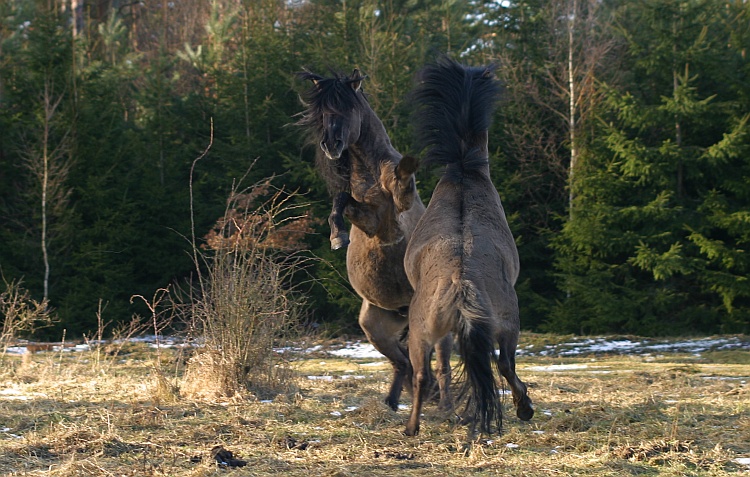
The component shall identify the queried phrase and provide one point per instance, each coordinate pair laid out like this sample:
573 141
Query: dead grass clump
79 467
656 451
164 389
206 377
571 421
375 413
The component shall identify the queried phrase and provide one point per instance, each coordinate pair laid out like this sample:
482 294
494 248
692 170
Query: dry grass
65 415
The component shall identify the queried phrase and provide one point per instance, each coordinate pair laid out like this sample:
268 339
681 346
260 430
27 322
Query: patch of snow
743 461
320 378
351 408
557 367
352 376
16 350
357 350
537 432
511 445
335 413
12 394
291 349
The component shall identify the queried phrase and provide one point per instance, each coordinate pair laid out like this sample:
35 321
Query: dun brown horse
376 190
462 260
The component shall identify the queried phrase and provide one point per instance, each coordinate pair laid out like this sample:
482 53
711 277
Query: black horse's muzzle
334 152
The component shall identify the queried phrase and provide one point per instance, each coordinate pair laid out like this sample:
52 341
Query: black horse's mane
454 105
333 95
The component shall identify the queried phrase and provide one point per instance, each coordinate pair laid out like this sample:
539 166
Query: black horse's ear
309 76
357 78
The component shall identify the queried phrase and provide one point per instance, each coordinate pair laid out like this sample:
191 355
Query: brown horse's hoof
339 242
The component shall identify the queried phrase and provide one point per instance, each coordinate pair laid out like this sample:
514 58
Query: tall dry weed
20 314
245 301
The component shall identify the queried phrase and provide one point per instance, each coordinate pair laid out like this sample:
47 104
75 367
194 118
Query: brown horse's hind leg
339 235
384 329
419 354
443 350
507 364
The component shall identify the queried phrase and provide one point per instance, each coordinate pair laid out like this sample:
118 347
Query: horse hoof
392 404
525 414
411 432
339 242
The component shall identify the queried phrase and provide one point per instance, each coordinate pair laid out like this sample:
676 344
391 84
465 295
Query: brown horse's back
464 235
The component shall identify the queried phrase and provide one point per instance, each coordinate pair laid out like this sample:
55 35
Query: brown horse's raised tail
454 111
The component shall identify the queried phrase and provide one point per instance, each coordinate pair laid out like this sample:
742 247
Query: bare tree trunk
48 111
49 172
572 105
48 160
573 76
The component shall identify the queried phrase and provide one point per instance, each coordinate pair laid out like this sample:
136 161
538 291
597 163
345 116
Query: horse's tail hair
454 107
476 339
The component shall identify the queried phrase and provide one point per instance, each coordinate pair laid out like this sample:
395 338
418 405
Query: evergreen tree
647 250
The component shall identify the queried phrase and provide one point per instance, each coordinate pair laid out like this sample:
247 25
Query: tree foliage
620 151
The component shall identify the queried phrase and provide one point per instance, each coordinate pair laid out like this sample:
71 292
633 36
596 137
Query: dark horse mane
454 103
329 95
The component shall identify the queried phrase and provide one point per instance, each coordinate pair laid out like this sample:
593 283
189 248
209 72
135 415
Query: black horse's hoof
340 242
525 413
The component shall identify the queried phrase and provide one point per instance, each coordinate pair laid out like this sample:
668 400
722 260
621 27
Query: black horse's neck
373 146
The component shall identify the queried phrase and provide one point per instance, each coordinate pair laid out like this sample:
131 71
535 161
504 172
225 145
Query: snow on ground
574 347
587 346
644 346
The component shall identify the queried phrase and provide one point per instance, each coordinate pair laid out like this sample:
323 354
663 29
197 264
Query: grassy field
84 413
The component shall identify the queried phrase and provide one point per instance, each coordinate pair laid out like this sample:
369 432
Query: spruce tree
650 249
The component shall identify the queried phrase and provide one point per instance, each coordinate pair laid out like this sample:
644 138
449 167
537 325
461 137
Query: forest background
621 149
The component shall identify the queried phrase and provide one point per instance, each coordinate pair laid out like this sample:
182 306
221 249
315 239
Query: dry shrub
245 302
19 313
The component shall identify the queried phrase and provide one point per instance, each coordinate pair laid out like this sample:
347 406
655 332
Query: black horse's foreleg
339 235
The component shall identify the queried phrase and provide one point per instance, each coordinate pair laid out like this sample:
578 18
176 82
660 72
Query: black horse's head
334 111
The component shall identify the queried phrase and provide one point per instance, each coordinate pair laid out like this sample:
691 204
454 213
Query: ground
604 407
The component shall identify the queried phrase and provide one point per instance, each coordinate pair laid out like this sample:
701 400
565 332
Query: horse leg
364 216
443 350
507 365
419 354
404 186
339 235
383 329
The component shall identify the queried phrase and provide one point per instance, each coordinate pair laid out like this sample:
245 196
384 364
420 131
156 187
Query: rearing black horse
376 190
